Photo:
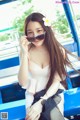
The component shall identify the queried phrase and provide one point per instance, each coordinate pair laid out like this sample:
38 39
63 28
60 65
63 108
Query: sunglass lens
30 39
40 37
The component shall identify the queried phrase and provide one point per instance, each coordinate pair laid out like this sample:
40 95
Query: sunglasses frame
39 37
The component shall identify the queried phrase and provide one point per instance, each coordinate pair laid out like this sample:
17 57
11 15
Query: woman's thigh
57 113
61 104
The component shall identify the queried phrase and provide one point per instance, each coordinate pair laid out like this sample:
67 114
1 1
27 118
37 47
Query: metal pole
67 10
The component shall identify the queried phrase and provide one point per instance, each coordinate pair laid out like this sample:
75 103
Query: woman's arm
53 88
23 70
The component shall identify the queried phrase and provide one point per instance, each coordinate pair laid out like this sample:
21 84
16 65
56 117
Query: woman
42 70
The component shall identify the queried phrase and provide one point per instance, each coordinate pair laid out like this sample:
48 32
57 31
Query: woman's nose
35 34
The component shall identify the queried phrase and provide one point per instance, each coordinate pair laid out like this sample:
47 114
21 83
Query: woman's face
34 29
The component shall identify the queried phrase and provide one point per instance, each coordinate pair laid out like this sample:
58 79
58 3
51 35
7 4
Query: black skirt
50 110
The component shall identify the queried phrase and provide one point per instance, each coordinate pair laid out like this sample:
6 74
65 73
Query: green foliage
4 37
19 21
77 16
25 1
61 24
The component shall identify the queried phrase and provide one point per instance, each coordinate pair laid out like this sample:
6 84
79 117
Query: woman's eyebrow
29 30
39 28
36 29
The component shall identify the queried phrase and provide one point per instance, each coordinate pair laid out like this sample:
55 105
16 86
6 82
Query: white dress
38 78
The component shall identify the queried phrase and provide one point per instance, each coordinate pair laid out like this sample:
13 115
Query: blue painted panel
12 101
6 1
16 110
72 102
12 92
68 82
0 98
9 62
71 47
75 81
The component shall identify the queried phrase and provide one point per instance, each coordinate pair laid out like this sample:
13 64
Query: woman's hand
24 45
33 113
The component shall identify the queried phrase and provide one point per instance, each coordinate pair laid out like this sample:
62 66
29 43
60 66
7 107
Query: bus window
75 9
60 25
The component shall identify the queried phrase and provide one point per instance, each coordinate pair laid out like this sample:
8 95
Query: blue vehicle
12 96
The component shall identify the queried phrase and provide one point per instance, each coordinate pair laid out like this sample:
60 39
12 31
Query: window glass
53 9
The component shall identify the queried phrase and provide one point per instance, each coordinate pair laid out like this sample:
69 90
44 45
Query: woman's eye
30 34
39 31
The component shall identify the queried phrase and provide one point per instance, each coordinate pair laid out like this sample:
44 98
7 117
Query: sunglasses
39 37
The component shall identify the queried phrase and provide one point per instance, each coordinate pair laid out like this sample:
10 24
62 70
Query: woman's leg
55 114
61 105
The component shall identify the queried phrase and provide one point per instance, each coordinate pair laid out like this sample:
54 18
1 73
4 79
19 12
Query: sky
46 7
6 15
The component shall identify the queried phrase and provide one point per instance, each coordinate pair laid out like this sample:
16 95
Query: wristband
43 100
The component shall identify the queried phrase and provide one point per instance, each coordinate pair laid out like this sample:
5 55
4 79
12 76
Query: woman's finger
23 39
28 109
32 116
38 116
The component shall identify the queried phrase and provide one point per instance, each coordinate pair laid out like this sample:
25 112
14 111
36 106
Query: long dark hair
57 61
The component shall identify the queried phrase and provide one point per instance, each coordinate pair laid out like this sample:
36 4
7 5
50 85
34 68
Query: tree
61 24
18 22
4 37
